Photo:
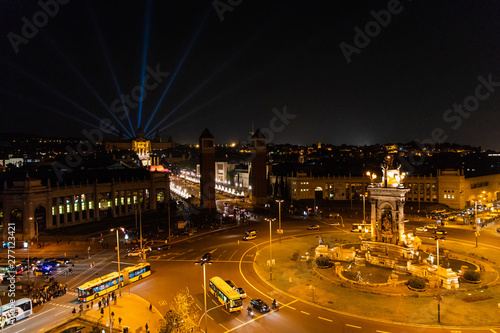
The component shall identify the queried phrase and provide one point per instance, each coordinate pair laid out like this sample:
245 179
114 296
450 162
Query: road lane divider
307 313
353 326
326 319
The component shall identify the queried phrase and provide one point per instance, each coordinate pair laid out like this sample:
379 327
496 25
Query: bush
322 261
472 275
416 282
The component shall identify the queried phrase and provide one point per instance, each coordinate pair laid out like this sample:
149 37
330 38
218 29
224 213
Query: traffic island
295 274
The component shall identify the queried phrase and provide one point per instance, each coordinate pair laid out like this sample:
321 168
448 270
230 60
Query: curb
359 316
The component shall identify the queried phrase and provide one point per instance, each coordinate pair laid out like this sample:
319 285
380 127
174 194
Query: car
137 253
260 305
498 229
251 232
439 232
249 237
334 224
421 229
313 227
242 292
431 227
206 257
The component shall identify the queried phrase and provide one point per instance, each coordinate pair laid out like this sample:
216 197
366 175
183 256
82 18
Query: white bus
16 310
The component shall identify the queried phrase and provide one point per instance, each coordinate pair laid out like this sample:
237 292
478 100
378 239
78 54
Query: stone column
373 217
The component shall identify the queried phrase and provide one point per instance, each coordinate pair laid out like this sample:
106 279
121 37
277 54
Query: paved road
175 270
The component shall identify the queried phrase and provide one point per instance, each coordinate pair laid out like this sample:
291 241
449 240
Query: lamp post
270 249
364 215
341 219
279 216
477 222
203 263
118 256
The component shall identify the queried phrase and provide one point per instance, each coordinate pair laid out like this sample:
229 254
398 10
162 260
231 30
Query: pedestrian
120 321
91 304
99 304
146 327
150 307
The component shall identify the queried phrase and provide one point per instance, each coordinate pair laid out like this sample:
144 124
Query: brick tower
207 172
259 183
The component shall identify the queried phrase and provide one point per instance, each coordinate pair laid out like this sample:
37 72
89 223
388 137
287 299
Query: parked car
260 305
313 227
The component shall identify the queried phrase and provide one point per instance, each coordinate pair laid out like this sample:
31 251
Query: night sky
264 55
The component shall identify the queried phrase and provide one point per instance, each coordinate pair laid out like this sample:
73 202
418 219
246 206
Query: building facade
448 187
30 207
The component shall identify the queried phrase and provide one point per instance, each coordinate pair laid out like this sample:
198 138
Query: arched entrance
40 219
16 217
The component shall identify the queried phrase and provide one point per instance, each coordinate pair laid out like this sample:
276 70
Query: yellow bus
135 273
226 295
107 283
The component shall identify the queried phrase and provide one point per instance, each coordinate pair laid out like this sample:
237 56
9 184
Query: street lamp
341 219
203 263
270 249
118 256
437 238
279 215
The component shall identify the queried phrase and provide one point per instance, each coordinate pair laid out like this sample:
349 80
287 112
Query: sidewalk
132 309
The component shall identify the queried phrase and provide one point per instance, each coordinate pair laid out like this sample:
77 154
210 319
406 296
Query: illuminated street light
280 231
270 248
203 263
118 256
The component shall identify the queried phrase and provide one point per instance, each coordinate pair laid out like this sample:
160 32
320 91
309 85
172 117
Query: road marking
210 317
57 314
352 326
163 303
223 327
331 321
493 330
390 332
231 257
199 307
241 321
307 313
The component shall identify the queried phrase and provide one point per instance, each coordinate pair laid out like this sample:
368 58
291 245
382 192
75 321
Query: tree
97 326
416 282
182 316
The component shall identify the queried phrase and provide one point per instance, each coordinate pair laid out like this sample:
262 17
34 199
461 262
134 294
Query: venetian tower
207 172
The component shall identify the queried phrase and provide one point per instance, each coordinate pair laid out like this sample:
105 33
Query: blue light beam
191 43
105 52
145 46
85 81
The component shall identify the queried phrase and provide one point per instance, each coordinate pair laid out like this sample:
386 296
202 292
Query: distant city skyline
364 73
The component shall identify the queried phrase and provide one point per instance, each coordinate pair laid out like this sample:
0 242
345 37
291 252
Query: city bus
16 310
361 227
226 295
135 273
107 283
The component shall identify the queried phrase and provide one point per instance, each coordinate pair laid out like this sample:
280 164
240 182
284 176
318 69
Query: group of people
47 292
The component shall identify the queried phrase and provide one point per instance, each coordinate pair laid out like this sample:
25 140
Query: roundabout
471 305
